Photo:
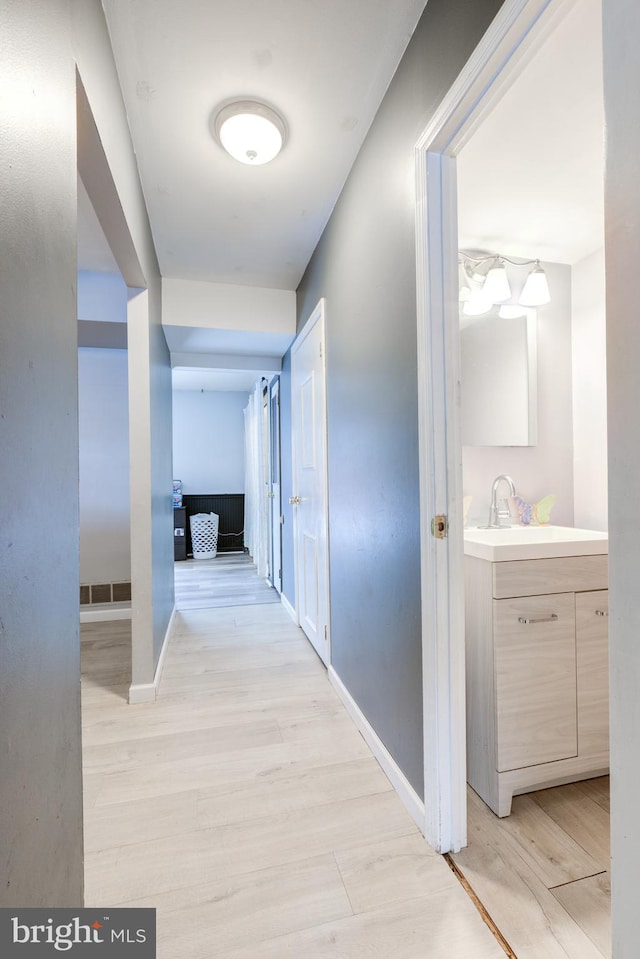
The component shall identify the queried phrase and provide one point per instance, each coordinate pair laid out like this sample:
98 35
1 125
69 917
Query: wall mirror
498 380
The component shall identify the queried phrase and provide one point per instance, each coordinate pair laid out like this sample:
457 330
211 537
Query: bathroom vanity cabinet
537 673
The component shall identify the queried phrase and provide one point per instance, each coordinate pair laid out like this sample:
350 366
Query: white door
274 492
310 482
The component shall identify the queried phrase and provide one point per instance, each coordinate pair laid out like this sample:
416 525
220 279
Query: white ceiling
214 380
324 64
531 179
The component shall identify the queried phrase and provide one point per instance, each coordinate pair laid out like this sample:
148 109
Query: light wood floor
246 808
543 872
230 579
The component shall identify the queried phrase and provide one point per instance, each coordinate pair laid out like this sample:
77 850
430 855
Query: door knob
294 500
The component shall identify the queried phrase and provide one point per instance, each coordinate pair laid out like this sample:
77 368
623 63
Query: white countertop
533 542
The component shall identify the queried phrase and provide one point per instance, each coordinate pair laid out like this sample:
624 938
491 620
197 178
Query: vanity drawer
558 574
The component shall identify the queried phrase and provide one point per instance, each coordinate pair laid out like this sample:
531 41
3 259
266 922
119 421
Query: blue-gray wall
161 472
365 267
40 757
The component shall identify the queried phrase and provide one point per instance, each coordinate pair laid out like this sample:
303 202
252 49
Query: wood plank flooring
543 873
246 808
229 579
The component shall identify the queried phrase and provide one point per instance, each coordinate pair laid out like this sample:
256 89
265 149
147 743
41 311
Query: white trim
163 652
289 608
317 316
518 27
486 75
148 692
104 614
275 501
440 455
392 771
142 693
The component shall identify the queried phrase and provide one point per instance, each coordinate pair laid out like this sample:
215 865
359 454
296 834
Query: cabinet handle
601 612
526 621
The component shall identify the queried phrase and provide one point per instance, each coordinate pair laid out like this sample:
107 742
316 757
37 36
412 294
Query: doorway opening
224 438
522 50
451 133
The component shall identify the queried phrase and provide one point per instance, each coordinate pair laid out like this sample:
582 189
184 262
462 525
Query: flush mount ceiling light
249 131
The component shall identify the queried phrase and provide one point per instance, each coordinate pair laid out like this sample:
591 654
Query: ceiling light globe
250 132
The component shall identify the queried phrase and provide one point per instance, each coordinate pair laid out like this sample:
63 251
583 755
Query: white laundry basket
204 535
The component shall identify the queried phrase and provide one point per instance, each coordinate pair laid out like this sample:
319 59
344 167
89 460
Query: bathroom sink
532 542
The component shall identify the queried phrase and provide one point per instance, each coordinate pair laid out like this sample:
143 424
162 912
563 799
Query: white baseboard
104 614
394 774
163 652
142 693
289 608
148 692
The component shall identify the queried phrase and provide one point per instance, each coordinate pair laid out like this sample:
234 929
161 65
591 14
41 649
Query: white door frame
275 497
265 476
317 316
517 29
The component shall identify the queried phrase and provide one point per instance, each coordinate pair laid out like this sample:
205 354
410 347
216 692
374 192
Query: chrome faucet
499 514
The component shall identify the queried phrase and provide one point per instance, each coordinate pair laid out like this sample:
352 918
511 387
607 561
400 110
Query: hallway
231 579
245 806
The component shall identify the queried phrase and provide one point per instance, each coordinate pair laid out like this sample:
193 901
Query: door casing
324 614
275 483
517 30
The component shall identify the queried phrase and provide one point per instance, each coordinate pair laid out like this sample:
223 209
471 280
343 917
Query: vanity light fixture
250 131
485 280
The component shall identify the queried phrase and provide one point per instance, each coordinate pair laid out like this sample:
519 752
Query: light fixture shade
250 131
496 286
477 303
477 275
535 291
